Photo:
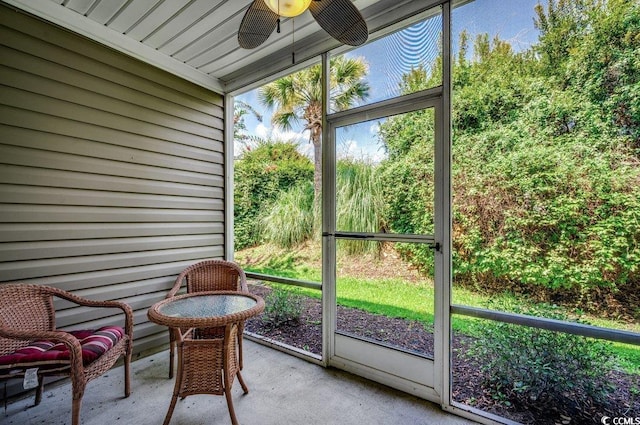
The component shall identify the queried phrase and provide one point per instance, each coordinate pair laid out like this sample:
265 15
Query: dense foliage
262 175
546 160
275 199
546 165
546 195
523 366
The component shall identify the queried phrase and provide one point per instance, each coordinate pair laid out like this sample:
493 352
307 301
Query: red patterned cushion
94 343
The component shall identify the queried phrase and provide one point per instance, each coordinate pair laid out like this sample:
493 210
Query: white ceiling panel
80 6
181 22
207 47
130 15
104 12
197 39
194 33
157 18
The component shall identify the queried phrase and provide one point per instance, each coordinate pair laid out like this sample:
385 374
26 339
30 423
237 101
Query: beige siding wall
111 172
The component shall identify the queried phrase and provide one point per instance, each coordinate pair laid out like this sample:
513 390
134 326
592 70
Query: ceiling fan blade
257 25
341 19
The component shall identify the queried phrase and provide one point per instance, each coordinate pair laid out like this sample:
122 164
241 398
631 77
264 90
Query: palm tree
240 109
298 97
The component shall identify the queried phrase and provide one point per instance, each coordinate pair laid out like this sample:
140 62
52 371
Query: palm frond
284 119
291 95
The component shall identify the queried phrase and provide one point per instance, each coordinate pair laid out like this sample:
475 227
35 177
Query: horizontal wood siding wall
111 172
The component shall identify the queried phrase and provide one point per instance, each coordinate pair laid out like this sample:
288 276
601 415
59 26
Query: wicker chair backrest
24 307
213 277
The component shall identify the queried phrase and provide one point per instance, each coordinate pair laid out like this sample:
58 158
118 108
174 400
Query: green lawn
415 300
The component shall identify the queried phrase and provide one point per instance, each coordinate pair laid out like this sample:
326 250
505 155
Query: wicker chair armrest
177 285
126 309
243 282
72 343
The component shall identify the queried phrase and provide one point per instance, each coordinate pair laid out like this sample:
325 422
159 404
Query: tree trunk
317 166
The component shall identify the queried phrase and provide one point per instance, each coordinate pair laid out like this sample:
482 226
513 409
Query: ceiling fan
339 18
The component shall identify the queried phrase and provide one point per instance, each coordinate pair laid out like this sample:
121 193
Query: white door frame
374 361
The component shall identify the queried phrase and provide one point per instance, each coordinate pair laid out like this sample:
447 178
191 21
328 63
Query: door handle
348 235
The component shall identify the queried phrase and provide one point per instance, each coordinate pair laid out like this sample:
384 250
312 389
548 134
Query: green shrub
407 191
282 307
550 220
260 176
545 171
536 368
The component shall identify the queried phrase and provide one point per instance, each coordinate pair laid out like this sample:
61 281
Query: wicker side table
208 350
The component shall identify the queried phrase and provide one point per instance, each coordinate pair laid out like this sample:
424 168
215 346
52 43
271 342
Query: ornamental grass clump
290 220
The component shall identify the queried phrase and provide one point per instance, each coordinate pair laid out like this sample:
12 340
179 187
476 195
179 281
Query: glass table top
207 306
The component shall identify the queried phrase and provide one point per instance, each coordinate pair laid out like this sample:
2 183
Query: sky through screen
392 56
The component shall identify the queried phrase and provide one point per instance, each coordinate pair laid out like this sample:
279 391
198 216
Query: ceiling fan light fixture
339 18
288 8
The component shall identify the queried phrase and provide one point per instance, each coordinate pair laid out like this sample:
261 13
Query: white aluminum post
228 178
443 276
328 212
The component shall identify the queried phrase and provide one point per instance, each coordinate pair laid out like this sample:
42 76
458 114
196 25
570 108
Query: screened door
381 319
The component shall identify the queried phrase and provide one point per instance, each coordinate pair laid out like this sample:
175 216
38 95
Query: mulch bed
306 334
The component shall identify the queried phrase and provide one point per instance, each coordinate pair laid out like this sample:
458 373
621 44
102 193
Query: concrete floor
283 390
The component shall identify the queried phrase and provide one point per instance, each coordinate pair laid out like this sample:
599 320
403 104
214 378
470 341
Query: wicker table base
207 366
205 326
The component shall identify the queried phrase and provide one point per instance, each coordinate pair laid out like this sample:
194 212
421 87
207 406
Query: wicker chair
209 275
30 342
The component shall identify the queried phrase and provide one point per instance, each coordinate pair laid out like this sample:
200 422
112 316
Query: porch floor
283 389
